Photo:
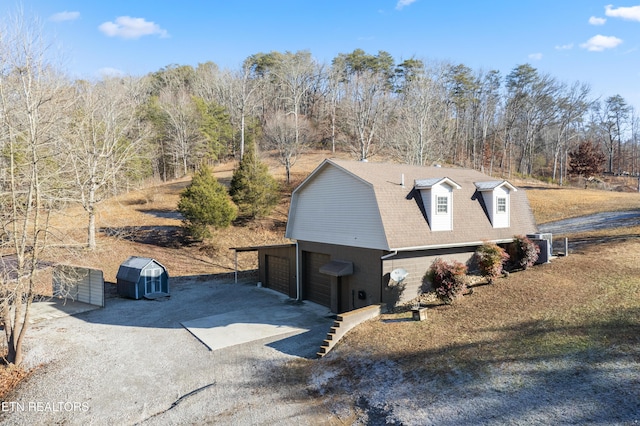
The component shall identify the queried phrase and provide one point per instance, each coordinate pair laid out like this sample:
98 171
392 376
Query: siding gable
336 207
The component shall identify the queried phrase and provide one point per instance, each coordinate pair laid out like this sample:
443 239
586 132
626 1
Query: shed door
278 273
316 286
152 281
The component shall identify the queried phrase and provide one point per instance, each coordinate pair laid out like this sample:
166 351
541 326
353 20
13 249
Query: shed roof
400 207
131 268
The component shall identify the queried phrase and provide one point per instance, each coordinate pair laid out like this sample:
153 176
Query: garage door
317 286
278 273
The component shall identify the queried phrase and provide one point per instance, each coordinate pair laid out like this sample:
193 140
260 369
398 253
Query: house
356 222
140 277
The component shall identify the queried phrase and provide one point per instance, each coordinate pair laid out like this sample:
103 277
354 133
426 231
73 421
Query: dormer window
442 204
496 196
437 199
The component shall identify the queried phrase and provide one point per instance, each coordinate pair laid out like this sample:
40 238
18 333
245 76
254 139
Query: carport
276 267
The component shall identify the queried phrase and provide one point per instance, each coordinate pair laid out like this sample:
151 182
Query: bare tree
420 113
182 126
33 101
288 136
105 136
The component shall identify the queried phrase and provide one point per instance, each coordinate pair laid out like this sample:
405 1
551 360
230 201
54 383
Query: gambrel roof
365 204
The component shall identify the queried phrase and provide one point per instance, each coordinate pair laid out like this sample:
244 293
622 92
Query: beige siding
82 284
416 264
336 208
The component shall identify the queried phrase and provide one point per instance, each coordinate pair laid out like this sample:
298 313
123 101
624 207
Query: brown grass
553 203
10 376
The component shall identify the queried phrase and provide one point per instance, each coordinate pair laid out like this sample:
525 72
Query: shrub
448 279
523 251
491 259
205 203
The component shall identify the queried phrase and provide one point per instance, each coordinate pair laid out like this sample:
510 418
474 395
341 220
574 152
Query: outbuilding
140 277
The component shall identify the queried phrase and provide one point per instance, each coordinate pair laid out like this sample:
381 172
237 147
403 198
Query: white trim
452 245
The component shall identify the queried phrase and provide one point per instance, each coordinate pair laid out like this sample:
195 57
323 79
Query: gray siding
336 208
416 263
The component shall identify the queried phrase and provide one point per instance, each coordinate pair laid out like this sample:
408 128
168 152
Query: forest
415 112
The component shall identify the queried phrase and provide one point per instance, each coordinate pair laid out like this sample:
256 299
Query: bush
205 203
491 259
523 251
448 279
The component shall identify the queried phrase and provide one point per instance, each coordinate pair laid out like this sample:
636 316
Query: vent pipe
402 180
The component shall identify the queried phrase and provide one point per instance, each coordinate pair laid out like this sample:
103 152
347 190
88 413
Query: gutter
441 246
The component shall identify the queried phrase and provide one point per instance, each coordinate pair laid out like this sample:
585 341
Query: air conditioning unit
545 243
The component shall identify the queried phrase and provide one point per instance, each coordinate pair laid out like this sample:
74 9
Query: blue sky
594 42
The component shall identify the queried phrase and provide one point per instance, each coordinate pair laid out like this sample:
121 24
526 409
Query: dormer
437 198
496 196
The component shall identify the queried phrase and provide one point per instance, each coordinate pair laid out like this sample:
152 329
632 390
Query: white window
442 204
501 205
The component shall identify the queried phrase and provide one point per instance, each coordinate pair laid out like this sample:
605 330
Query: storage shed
140 277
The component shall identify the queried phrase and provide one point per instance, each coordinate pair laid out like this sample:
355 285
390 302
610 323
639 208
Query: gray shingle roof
406 226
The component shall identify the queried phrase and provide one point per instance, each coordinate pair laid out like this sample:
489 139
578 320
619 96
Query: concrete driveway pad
243 326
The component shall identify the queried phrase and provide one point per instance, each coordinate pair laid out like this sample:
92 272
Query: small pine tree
253 189
205 203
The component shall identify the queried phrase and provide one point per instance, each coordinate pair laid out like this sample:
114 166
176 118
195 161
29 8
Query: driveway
150 362
593 222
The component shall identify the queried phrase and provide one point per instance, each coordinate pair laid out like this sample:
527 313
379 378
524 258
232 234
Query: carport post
235 273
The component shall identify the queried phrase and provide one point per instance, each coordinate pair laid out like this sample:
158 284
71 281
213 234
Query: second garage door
278 273
316 286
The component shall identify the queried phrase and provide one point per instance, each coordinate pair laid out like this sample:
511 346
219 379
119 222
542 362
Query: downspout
383 258
297 272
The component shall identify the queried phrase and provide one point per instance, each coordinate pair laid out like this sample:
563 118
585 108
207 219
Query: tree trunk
91 231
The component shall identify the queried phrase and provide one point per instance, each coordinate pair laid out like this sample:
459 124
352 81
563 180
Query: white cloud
403 3
110 72
535 56
597 21
599 43
567 46
128 27
64 16
629 13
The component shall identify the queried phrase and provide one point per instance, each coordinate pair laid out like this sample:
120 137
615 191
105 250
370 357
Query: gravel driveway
134 363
